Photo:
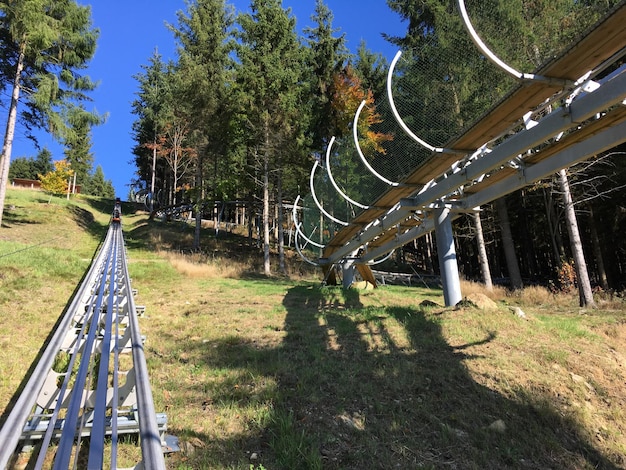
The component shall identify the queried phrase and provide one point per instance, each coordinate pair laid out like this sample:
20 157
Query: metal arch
383 259
304 258
299 232
332 180
396 115
297 225
358 148
495 59
308 240
317 203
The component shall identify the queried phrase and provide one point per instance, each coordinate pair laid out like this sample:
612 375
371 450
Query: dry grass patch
198 265
498 293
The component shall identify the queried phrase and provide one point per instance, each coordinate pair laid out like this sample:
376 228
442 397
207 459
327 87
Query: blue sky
130 30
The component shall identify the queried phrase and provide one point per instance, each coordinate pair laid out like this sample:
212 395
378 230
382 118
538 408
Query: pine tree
203 35
43 162
97 185
151 117
269 78
372 70
22 167
78 142
30 168
327 55
45 43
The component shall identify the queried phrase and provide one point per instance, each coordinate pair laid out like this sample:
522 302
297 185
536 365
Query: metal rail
79 389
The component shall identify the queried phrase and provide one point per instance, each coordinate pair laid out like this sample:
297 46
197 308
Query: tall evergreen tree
204 60
22 167
78 142
43 162
97 185
372 70
46 43
151 117
327 56
30 168
269 78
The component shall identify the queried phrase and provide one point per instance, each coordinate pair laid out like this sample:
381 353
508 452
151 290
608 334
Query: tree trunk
266 204
428 242
279 223
240 211
508 246
250 214
597 250
7 146
199 201
482 253
584 285
175 177
553 225
528 247
153 177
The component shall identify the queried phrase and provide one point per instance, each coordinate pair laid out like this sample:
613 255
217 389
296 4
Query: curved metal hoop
495 59
358 148
307 260
317 203
332 180
384 258
298 225
396 115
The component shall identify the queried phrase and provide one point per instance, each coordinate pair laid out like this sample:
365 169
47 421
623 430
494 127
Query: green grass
281 373
352 382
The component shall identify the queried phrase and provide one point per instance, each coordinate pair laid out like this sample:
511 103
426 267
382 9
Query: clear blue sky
130 30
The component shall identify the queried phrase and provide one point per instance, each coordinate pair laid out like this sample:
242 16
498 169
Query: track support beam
447 256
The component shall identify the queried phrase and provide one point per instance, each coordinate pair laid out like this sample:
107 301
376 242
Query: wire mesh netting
316 227
441 85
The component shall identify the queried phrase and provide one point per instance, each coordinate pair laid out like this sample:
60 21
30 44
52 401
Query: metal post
347 270
447 257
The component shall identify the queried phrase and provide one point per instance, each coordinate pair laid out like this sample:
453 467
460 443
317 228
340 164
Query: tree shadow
87 222
381 388
84 218
103 205
13 216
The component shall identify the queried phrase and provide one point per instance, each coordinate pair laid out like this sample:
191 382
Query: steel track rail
87 398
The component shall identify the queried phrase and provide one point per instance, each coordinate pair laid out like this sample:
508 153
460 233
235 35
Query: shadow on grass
351 395
13 215
86 221
102 204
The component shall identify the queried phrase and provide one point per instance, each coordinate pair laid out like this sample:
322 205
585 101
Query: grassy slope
280 373
45 249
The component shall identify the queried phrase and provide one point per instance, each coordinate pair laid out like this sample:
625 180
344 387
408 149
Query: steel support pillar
347 271
448 267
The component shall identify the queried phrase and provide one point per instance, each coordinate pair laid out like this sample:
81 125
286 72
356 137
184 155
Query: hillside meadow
280 372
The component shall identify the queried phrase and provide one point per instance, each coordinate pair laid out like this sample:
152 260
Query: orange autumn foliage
348 93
